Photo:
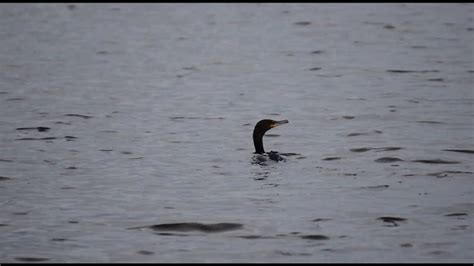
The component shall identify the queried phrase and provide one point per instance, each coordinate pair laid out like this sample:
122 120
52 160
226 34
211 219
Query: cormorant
260 128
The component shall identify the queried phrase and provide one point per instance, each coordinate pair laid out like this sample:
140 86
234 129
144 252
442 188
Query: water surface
126 132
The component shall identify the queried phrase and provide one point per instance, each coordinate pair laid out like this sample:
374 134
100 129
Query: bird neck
258 143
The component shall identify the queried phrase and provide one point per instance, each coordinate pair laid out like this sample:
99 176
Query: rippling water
146 113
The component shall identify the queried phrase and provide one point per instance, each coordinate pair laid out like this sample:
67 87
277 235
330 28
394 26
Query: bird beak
277 123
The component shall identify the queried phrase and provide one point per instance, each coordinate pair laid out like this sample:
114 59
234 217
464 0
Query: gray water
151 108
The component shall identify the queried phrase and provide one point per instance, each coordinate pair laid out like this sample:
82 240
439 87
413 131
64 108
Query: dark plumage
260 128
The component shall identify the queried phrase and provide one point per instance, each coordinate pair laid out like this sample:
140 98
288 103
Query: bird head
266 124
